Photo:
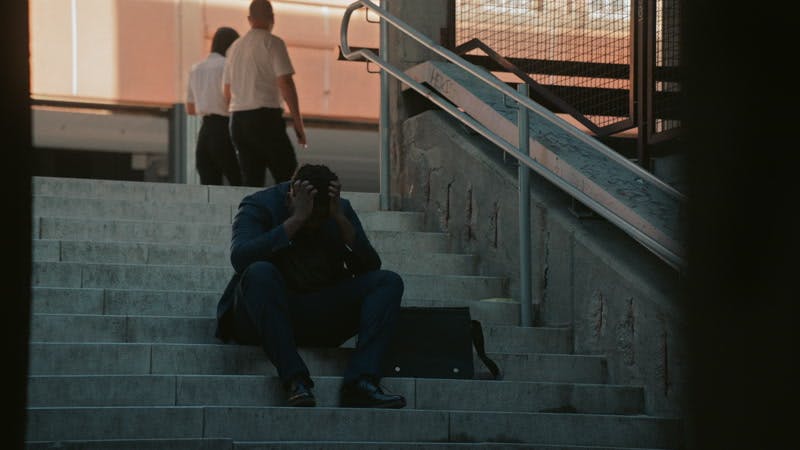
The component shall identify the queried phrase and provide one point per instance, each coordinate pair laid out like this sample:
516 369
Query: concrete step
116 209
47 250
230 359
348 424
216 213
496 310
135 444
200 330
308 445
256 390
50 300
144 276
165 192
229 444
141 231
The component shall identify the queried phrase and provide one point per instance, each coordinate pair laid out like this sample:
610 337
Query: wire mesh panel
667 59
579 49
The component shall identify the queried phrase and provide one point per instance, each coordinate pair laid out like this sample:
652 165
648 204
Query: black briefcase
436 343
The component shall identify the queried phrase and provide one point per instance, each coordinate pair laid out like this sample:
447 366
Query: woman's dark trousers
215 155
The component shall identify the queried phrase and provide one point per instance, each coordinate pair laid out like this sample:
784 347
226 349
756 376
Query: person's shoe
366 394
299 394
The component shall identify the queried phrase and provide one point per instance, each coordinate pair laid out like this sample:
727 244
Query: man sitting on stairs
306 274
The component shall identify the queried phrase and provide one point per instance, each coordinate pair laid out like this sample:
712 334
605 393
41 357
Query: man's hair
223 39
261 10
320 177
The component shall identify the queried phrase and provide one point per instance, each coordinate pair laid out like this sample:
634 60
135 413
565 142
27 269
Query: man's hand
289 94
300 132
302 194
303 199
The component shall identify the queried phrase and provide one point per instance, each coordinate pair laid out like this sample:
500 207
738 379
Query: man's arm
226 92
337 211
256 238
289 94
360 256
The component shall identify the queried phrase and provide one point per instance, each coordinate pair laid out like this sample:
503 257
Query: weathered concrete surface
404 53
625 189
622 301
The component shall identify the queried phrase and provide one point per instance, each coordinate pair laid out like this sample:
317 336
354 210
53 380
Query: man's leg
379 313
281 157
367 305
262 317
247 137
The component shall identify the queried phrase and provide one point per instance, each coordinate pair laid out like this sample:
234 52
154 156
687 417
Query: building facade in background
141 51
105 74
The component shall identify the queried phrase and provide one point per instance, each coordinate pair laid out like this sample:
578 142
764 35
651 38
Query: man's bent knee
261 273
391 278
392 282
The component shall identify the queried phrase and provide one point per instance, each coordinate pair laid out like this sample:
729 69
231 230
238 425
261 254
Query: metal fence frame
644 73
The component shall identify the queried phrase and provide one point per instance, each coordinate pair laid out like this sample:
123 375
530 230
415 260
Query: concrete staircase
126 277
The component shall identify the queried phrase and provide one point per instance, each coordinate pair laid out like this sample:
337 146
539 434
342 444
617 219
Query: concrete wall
620 300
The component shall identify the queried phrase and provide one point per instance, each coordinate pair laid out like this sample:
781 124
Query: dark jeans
267 314
215 153
261 141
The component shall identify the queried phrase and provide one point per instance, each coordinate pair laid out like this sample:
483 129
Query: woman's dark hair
223 39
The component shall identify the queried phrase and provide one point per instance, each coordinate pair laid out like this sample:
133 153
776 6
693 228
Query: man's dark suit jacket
259 235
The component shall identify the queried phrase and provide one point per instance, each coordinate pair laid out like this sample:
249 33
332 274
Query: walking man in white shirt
215 155
258 74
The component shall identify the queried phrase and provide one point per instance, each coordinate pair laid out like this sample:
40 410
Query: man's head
320 177
223 39
261 15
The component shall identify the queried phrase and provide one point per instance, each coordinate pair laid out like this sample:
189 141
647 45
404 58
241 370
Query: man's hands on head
302 193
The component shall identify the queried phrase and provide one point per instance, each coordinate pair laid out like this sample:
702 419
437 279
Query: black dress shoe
366 394
299 394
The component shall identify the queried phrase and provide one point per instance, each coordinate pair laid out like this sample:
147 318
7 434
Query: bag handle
480 348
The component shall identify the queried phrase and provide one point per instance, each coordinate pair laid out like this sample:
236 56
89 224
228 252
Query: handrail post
385 170
524 181
177 143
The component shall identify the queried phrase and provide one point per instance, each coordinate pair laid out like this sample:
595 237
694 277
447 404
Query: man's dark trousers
261 142
268 314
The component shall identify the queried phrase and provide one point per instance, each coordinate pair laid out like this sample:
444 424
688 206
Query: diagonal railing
519 151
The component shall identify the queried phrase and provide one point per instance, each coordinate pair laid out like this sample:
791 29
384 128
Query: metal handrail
677 261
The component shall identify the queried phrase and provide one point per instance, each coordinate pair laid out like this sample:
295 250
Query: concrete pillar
429 17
